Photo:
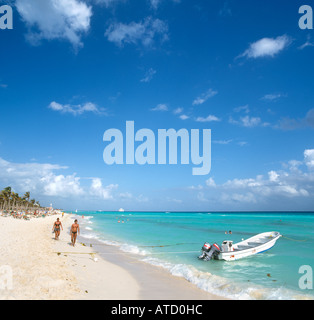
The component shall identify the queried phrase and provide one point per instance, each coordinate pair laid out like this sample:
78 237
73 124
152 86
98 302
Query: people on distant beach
56 228
75 228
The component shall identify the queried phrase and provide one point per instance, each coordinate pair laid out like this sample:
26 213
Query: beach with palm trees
22 207
35 266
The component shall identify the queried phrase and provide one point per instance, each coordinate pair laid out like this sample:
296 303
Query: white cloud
309 158
76 109
61 186
108 3
55 19
125 195
210 182
155 3
42 180
278 187
244 109
272 96
145 32
39 178
209 118
308 43
223 142
184 117
237 197
199 187
204 97
101 192
273 176
149 75
267 47
178 111
248 122
160 107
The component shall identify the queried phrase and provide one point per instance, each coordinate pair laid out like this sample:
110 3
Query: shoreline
46 269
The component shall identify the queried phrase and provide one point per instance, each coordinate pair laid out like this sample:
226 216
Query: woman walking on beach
75 228
56 228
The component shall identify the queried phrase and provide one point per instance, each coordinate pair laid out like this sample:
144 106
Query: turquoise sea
173 241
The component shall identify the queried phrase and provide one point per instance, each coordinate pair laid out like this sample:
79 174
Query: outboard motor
206 248
210 252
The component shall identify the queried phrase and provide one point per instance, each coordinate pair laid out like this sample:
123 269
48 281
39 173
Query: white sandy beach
46 269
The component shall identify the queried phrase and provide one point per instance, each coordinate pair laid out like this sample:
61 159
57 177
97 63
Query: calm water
173 241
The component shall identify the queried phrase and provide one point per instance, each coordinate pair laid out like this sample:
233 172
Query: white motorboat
229 251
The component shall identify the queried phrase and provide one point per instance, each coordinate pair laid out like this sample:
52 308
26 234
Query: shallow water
174 240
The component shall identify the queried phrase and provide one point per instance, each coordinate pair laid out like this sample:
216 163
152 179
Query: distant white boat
230 252
121 210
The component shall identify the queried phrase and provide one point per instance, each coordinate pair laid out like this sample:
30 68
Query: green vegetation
10 200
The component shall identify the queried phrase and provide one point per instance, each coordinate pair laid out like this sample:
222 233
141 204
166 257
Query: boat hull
239 254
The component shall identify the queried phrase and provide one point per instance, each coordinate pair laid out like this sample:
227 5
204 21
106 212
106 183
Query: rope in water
294 239
155 253
117 253
156 246
167 245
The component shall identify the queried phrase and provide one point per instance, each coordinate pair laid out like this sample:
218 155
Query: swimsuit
57 227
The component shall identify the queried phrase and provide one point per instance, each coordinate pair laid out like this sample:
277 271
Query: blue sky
70 70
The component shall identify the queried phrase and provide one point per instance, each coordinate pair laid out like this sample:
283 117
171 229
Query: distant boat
76 211
229 251
121 210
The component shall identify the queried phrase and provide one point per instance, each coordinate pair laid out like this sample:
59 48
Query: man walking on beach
56 228
75 228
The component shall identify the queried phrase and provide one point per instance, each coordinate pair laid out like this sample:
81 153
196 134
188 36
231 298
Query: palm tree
15 199
33 201
10 200
27 195
7 194
2 200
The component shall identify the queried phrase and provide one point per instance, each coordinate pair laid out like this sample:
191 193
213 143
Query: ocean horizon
173 241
